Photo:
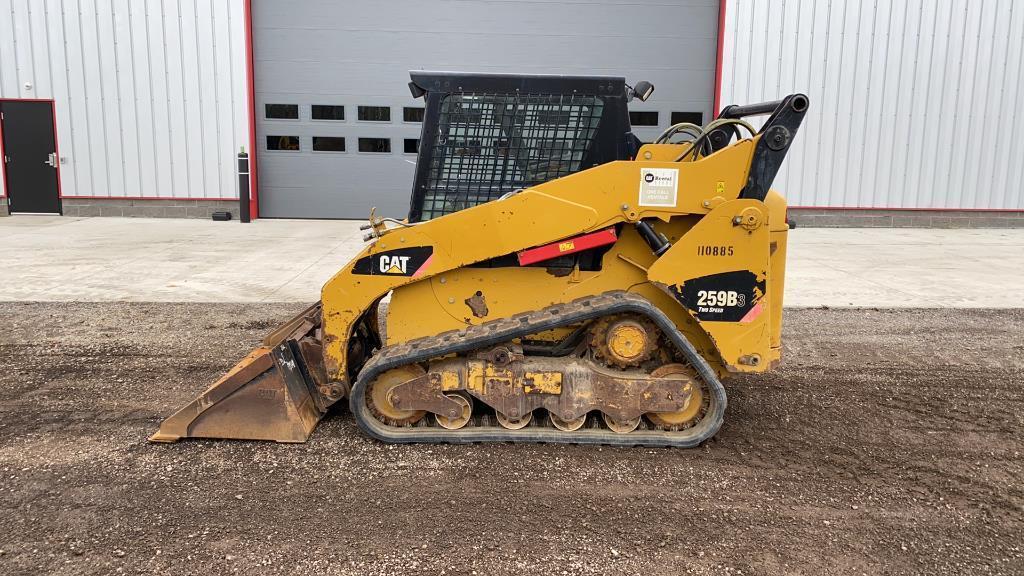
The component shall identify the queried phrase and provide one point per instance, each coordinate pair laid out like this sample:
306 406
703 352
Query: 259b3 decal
724 297
713 298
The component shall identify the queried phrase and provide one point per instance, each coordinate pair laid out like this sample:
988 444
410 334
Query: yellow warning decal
720 187
566 246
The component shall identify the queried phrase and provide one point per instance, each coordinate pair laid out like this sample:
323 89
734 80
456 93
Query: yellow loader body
600 307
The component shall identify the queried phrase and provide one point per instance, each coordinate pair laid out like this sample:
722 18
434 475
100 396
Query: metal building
148 103
915 103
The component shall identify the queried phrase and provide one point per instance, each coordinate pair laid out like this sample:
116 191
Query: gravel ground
887 442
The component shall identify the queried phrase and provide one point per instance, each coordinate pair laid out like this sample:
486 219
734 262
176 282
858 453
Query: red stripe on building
254 181
717 106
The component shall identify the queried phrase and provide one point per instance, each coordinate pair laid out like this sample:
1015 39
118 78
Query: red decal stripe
753 313
423 267
567 246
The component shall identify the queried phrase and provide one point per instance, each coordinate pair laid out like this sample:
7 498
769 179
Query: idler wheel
694 409
379 396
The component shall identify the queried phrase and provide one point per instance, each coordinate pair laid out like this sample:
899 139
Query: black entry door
31 157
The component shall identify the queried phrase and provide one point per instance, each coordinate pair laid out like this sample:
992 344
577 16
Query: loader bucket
272 394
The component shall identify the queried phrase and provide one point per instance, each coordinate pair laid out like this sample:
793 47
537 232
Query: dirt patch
887 442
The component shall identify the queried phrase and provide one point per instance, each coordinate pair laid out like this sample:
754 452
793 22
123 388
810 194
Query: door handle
51 159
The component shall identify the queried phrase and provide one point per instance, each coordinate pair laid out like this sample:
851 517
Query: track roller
514 423
462 419
620 427
567 425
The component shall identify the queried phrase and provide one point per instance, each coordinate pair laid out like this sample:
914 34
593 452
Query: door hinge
51 159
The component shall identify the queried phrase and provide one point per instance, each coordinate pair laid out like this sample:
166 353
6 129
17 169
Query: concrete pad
52 258
905 268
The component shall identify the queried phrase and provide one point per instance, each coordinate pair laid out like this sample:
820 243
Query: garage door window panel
412 114
375 145
643 118
281 111
374 114
327 112
328 144
691 117
277 143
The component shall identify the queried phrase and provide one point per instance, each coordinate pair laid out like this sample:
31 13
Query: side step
272 394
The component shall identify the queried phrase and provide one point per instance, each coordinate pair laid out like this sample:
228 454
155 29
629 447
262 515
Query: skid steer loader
554 281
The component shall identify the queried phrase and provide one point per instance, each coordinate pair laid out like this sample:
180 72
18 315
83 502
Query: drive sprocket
624 340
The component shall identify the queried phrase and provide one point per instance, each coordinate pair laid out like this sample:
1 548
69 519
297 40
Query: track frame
505 329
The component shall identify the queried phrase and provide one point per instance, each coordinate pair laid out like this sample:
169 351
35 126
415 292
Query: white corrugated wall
914 103
150 95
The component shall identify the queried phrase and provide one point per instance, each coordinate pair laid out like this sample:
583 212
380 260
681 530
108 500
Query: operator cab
485 135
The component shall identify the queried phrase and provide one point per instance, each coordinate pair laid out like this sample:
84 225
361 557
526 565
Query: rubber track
506 329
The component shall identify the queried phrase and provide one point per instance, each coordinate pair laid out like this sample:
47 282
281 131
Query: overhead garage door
337 128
